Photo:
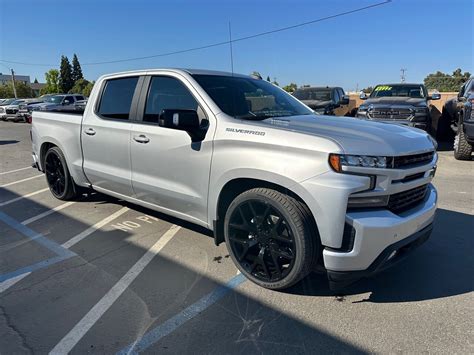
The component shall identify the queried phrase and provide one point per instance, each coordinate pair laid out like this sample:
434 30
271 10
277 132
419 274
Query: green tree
274 82
268 79
52 82
76 69
36 81
256 74
368 89
445 82
87 90
65 75
22 90
290 87
79 86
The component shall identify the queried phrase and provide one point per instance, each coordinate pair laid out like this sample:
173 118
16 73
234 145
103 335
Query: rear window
117 98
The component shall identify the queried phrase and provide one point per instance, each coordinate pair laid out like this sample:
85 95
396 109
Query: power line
266 33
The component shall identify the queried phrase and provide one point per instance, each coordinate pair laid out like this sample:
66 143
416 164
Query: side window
167 93
336 97
117 98
70 99
79 98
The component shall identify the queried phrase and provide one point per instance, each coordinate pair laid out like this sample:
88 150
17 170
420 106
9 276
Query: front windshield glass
249 98
313 94
7 102
415 91
16 102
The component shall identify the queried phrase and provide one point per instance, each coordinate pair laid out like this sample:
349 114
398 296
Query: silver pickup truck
289 191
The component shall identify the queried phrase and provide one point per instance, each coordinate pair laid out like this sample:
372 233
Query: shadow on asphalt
236 323
442 267
9 142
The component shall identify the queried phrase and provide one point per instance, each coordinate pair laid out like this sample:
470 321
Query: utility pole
402 75
13 82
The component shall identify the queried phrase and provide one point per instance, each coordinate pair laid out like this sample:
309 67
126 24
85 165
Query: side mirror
184 120
434 96
363 96
344 100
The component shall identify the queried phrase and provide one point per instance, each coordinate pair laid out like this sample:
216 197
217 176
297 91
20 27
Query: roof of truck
187 70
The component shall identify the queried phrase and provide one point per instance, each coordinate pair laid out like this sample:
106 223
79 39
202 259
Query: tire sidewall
67 177
298 240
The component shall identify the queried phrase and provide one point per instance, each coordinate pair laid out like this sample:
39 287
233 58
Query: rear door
105 135
168 170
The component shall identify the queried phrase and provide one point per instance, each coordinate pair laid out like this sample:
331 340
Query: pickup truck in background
324 100
459 114
62 102
289 191
406 104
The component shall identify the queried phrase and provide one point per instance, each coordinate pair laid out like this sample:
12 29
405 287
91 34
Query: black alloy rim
55 174
261 241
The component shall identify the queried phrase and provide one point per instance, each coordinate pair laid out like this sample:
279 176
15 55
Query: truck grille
405 200
11 111
411 160
390 113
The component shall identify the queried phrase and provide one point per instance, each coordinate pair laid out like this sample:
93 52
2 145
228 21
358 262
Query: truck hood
394 101
356 136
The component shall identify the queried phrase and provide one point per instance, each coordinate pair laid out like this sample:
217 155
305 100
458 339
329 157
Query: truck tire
271 237
57 174
462 149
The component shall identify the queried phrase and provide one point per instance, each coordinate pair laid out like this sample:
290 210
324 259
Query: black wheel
270 237
462 149
57 175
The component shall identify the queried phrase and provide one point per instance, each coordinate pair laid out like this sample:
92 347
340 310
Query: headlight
362 109
421 110
337 161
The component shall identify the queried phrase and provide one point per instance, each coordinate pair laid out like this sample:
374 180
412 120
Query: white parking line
14 171
47 213
22 197
10 282
80 329
23 180
90 230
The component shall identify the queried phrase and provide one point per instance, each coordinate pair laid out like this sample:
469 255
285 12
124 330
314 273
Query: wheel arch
233 187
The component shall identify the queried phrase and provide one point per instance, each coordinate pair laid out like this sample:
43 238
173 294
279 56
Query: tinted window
117 98
248 98
70 99
78 98
336 97
318 94
414 91
167 93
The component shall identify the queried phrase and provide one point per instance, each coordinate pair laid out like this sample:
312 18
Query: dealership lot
99 275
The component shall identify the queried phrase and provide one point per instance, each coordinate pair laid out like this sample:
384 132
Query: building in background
6 78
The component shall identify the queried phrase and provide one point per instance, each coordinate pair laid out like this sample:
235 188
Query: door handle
89 131
141 139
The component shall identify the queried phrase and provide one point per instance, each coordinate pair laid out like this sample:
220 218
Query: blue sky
361 49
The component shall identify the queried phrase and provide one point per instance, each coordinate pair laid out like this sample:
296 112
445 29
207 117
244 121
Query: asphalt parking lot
102 276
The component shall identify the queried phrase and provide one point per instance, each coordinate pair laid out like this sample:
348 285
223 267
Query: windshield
17 102
313 94
54 99
7 102
415 91
248 98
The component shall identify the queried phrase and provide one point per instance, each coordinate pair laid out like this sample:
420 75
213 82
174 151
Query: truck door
168 170
105 134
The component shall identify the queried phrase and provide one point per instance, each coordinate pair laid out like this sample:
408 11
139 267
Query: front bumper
375 231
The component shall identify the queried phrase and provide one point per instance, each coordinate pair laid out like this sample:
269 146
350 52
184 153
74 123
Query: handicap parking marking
19 198
181 318
16 170
82 327
11 281
20 181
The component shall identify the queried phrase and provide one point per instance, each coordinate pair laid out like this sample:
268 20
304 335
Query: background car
323 100
61 102
406 104
12 109
459 116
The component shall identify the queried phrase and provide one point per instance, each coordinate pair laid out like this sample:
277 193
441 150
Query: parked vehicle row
21 109
288 191
324 100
